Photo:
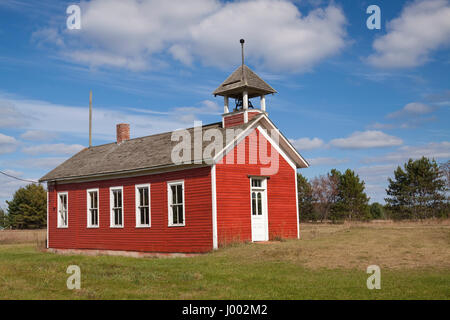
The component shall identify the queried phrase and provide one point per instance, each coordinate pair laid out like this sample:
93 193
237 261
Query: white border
58 225
169 201
136 198
111 204
88 225
214 206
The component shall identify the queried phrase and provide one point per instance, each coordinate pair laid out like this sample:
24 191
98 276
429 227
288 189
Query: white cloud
380 126
307 143
324 161
57 117
10 117
134 34
7 144
436 150
38 135
412 115
412 109
40 163
8 186
53 149
366 139
422 27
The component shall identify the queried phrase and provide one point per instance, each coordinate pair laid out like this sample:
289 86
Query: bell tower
242 85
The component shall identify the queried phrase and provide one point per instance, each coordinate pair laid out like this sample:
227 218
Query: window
142 205
176 203
92 208
116 203
256 183
63 211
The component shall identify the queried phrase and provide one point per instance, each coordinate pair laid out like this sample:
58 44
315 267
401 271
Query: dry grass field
328 262
23 236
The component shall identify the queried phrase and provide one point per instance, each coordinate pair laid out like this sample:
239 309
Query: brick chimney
123 132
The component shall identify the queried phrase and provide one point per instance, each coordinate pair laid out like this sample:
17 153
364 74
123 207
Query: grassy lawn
329 262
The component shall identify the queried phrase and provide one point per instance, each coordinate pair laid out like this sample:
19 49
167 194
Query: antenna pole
242 41
90 118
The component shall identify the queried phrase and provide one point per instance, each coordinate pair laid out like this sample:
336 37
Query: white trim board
214 206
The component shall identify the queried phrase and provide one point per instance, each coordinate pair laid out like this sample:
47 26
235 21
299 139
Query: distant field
22 236
329 262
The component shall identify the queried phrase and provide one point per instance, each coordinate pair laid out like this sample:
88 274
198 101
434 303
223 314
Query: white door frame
265 215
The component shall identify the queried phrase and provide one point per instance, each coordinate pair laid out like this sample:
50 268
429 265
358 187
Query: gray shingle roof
135 154
239 80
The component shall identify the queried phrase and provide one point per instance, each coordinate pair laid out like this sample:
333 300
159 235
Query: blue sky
348 97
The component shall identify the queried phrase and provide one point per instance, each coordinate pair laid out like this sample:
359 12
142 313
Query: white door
258 197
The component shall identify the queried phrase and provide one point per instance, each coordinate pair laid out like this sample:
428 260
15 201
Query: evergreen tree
305 199
377 211
352 201
28 208
417 191
2 218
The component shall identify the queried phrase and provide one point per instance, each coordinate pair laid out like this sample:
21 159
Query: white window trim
138 213
59 226
169 202
88 201
111 205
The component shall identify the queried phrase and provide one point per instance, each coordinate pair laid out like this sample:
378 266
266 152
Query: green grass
250 271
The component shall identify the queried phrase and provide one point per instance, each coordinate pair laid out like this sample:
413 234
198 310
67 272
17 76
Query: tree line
419 190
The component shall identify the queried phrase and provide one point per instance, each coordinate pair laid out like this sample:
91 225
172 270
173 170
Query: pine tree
352 201
377 211
417 191
28 208
2 218
305 199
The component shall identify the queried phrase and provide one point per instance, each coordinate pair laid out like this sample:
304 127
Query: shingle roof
135 154
239 80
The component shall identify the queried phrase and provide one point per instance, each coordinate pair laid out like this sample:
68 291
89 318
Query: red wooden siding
195 236
233 197
237 119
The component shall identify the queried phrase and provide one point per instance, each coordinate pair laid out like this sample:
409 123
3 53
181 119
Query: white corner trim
214 206
296 204
48 222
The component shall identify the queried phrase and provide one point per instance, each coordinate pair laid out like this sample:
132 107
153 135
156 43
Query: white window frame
169 203
88 206
111 206
138 212
59 221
